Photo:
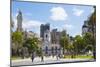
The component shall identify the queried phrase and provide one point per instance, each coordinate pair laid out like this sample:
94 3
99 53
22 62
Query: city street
47 60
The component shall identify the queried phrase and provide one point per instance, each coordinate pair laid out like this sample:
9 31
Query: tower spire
19 21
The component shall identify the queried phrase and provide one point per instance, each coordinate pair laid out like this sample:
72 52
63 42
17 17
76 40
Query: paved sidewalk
47 60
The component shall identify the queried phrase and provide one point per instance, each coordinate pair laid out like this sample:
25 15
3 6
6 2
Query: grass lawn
83 57
79 56
15 58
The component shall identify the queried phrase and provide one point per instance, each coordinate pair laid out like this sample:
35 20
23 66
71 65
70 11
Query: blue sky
60 16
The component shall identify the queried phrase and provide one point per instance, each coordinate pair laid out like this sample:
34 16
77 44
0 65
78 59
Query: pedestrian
32 57
42 59
57 56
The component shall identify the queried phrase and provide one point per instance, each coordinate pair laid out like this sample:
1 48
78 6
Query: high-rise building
43 28
19 21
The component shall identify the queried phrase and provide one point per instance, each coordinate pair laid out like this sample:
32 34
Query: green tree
17 41
71 47
89 40
64 41
32 44
78 44
92 25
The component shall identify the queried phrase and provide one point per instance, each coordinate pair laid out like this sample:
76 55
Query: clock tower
19 21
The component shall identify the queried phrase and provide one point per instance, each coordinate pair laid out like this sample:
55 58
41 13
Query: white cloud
31 24
77 33
58 14
68 26
77 12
